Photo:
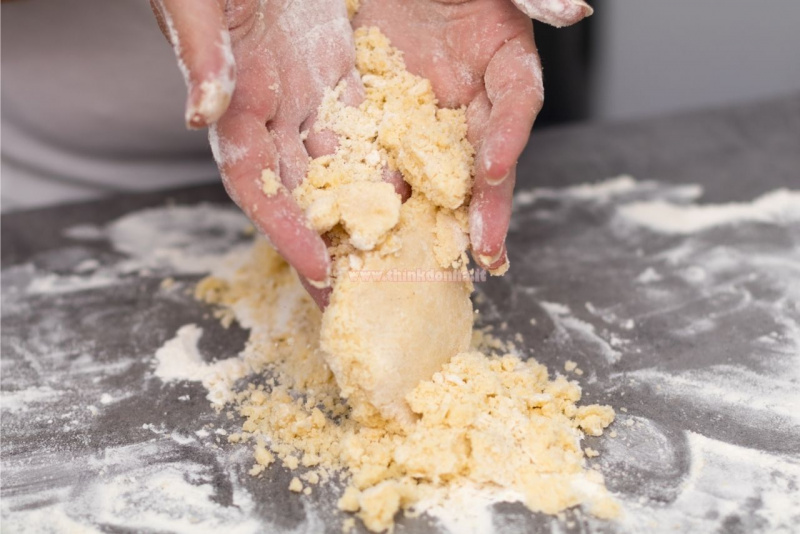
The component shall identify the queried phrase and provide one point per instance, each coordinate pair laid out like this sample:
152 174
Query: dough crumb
349 501
569 366
295 485
262 456
270 184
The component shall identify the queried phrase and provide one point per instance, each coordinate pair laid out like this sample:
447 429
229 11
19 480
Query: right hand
281 56
479 54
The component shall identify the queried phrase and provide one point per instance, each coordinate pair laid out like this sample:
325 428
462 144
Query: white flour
778 207
180 359
567 325
181 240
135 488
724 481
757 399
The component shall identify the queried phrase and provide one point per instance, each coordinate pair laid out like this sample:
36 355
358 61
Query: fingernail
194 120
502 269
322 284
586 7
325 283
207 103
491 260
498 181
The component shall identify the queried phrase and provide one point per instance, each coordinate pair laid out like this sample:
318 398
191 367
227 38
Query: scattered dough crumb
569 365
291 462
262 456
295 485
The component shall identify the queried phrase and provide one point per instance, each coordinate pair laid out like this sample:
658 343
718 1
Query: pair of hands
281 56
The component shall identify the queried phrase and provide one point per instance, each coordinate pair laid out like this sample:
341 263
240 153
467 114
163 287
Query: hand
280 56
479 54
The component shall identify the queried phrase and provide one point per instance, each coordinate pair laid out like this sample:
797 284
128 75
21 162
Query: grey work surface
696 335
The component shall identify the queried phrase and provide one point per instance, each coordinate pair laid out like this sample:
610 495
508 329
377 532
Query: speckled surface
696 335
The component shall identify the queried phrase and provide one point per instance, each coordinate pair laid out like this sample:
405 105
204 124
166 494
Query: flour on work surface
718 456
780 206
485 421
180 359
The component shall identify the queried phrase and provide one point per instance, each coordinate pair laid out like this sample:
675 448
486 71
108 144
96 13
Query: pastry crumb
270 184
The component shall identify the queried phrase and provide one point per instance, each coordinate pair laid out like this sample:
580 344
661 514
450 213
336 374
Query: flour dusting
705 381
777 207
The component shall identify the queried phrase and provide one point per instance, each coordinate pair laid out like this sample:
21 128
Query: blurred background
92 101
639 58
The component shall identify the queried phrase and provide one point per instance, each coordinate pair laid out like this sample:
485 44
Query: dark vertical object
566 60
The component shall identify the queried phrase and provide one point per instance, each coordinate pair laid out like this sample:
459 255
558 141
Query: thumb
200 38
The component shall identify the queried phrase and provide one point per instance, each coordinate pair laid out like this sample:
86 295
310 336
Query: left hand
479 54
256 73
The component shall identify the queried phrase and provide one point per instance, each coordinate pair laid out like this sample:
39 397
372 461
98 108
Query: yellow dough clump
389 386
400 305
486 419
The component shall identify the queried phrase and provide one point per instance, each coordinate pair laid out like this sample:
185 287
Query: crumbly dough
382 336
485 419
390 385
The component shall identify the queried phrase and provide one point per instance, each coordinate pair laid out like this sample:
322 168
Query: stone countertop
683 315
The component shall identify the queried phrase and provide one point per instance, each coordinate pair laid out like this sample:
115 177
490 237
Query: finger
200 38
500 127
322 142
514 87
321 296
244 149
489 216
558 13
292 155
395 178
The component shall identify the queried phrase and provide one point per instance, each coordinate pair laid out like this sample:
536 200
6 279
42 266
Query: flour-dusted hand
479 54
256 72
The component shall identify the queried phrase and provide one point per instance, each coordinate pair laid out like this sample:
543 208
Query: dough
382 338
